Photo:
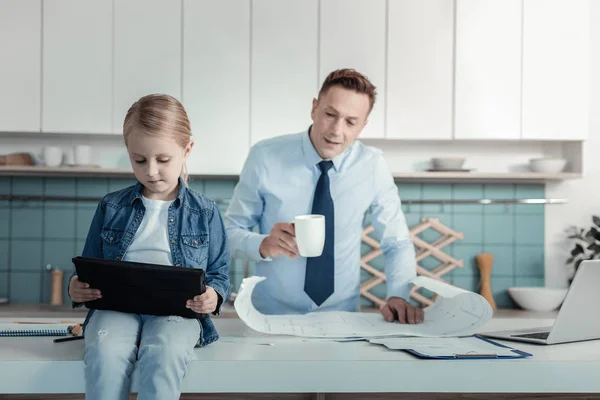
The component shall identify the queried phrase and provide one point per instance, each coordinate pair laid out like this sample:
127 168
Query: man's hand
280 242
204 303
80 292
401 310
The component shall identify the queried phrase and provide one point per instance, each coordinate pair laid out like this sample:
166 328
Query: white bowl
547 165
537 298
447 162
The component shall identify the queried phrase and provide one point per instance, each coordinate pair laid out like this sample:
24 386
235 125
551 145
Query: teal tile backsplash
34 233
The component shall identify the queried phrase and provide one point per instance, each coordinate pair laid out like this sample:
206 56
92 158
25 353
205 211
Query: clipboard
475 355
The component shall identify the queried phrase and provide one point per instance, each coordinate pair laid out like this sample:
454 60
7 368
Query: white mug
310 234
52 156
82 154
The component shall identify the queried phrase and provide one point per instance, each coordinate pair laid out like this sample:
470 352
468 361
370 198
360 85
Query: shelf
398 177
484 176
85 172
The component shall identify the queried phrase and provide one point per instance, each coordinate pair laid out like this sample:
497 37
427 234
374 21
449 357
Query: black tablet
141 288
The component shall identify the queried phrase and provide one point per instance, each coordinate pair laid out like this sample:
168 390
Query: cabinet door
216 83
147 52
353 36
77 66
420 69
20 68
488 69
284 72
556 69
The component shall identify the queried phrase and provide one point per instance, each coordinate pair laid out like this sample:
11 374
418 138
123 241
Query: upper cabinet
284 75
147 52
247 70
216 83
20 68
556 69
420 69
77 66
488 69
353 35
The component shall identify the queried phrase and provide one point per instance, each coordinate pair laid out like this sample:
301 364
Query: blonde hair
159 115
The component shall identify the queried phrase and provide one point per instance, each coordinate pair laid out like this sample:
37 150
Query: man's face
339 116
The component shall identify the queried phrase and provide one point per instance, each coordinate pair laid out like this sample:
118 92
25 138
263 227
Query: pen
475 355
67 339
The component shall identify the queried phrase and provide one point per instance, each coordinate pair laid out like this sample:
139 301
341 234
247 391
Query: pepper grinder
56 297
484 263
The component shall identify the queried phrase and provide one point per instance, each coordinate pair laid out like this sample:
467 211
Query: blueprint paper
456 312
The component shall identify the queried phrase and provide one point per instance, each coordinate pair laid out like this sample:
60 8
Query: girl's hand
80 291
204 303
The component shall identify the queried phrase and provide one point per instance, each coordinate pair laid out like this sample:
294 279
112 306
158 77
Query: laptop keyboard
537 335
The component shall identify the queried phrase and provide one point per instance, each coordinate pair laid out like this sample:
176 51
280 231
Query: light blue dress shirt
278 182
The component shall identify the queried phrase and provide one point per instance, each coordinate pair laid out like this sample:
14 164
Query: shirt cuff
254 246
401 290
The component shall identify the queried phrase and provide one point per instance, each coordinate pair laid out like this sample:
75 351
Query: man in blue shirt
323 170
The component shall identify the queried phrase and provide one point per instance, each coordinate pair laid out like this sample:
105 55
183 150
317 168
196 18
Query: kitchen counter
245 361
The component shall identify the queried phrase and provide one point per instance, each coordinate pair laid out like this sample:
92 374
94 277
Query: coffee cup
52 156
310 234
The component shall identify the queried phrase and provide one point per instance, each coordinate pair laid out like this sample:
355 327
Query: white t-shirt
151 241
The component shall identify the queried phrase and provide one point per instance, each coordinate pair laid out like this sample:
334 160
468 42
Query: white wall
583 194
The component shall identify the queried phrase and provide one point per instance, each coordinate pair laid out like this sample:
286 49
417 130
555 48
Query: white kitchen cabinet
488 69
353 35
20 68
556 69
420 69
147 52
216 83
77 66
284 70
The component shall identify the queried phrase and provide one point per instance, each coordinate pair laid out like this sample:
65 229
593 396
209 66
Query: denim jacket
196 233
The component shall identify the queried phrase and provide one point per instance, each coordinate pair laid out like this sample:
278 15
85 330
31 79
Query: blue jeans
114 341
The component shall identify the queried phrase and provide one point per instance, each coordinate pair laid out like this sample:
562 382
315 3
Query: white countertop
237 363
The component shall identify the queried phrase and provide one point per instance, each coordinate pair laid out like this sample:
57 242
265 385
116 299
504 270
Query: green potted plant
587 244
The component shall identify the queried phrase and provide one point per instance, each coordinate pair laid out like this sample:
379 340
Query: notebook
11 330
141 288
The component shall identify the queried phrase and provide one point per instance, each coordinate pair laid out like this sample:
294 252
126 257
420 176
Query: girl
160 221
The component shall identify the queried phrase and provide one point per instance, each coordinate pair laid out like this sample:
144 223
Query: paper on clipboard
456 312
447 346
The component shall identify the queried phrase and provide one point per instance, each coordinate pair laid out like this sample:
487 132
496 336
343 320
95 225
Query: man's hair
351 80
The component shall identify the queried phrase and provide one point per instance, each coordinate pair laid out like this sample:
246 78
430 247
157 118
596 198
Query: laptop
141 288
577 319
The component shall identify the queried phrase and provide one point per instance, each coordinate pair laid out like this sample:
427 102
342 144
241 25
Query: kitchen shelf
85 172
484 176
399 177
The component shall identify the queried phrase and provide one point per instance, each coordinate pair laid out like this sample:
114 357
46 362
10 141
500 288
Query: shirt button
129 235
173 241
195 242
178 265
118 258
138 217
110 239
171 219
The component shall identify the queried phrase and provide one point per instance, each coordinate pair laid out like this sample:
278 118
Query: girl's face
157 163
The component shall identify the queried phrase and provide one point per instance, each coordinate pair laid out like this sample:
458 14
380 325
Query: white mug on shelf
310 234
52 156
82 154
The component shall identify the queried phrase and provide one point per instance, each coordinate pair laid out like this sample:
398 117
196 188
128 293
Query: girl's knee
168 354
109 353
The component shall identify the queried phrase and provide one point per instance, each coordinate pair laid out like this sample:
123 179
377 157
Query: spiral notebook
13 330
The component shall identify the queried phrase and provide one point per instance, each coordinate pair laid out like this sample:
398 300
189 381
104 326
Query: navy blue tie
318 283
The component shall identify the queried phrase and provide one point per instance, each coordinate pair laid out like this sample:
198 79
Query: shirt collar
312 158
139 188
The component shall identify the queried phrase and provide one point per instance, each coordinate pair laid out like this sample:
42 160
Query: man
322 171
